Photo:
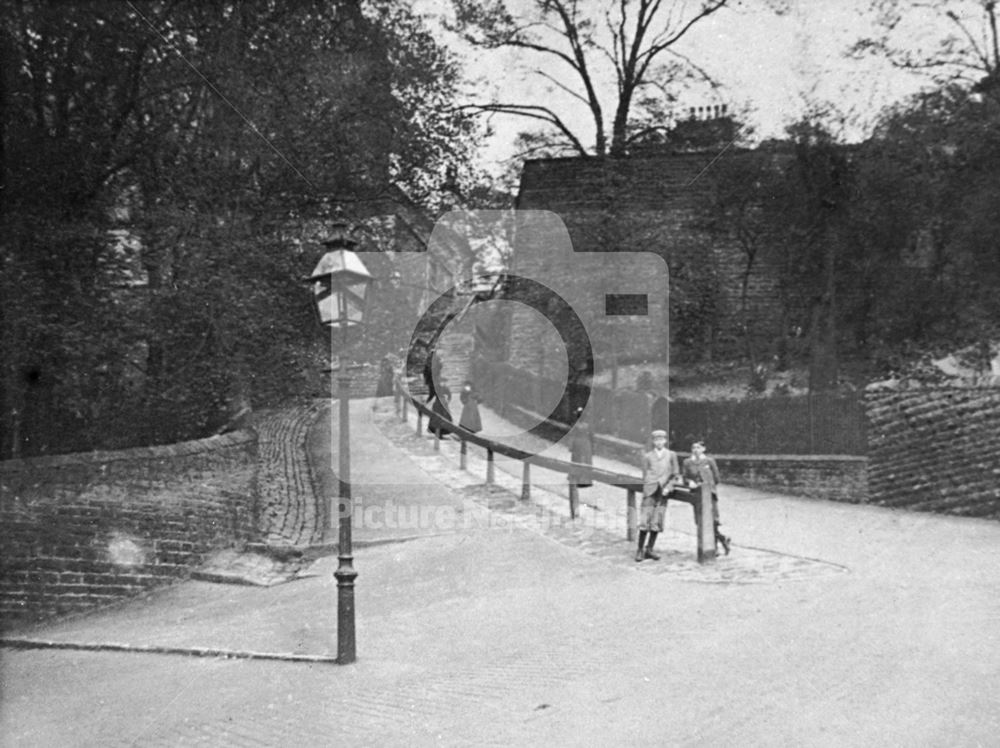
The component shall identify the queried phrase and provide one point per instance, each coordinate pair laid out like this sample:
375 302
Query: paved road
837 625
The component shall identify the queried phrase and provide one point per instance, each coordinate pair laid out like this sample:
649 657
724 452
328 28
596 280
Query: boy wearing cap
659 472
700 469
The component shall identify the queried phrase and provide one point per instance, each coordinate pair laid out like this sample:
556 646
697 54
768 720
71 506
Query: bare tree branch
976 50
992 18
628 37
531 112
561 86
657 48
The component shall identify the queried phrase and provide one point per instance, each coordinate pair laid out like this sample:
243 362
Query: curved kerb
231 654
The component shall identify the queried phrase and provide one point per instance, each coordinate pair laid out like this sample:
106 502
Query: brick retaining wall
835 477
81 530
936 449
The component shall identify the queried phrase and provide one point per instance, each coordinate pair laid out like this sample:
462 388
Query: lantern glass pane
327 309
340 285
360 288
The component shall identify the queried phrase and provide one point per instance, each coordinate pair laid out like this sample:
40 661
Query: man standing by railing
659 473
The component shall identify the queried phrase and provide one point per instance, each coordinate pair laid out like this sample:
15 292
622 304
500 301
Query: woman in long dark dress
470 419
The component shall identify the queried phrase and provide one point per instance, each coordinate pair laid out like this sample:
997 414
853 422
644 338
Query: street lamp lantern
340 285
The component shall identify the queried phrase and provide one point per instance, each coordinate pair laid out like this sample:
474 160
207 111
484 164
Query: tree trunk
619 128
748 332
823 362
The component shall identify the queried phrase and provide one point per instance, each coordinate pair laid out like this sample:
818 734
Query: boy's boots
724 540
649 547
645 550
640 554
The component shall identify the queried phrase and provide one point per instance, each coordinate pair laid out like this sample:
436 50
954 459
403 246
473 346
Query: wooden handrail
699 500
609 477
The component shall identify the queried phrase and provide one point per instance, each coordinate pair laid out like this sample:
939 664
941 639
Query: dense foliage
885 250
154 156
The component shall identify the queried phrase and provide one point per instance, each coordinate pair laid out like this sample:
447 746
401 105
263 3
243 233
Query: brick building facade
651 203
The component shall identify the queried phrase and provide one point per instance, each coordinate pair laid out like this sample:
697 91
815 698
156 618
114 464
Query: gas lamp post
340 284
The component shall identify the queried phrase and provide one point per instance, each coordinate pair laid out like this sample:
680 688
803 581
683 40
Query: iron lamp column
340 283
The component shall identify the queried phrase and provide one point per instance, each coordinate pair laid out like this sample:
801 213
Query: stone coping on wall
796 459
158 452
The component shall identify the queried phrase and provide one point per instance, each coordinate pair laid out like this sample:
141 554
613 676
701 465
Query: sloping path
493 634
600 528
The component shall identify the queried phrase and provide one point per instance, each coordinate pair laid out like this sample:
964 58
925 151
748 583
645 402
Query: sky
772 66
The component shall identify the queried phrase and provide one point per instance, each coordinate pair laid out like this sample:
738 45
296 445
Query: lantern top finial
339 233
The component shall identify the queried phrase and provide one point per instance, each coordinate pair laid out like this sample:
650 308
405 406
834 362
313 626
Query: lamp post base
345 573
345 576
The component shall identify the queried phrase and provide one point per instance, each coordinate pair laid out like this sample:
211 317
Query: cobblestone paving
368 714
556 637
290 510
594 532
227 703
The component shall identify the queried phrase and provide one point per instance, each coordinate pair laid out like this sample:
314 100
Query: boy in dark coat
699 469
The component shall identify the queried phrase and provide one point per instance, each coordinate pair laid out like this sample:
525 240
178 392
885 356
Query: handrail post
574 497
631 518
706 525
463 461
490 475
526 481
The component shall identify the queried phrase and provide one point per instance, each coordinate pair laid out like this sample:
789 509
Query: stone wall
82 530
834 477
935 449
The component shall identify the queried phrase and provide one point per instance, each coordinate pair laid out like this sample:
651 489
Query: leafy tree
886 249
789 209
807 211
735 210
930 168
154 156
929 180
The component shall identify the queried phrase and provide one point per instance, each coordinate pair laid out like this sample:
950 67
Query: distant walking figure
700 469
581 447
432 373
659 473
384 388
441 411
470 419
